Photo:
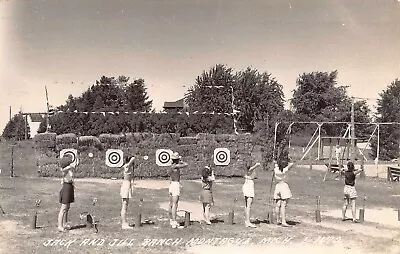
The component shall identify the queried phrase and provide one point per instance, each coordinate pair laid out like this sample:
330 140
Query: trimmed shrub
89 141
205 136
112 140
66 141
187 141
196 151
45 140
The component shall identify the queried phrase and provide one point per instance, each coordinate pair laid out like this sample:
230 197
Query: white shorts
248 188
282 191
175 188
349 192
126 189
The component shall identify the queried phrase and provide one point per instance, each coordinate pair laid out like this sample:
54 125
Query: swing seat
335 168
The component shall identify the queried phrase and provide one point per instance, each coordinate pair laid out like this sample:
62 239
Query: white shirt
67 175
281 175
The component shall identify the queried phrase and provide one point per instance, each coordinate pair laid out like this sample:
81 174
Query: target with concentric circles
222 156
163 157
73 153
114 158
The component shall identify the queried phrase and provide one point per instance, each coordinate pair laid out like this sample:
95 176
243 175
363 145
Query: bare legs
280 210
206 213
124 208
63 216
173 207
347 201
247 203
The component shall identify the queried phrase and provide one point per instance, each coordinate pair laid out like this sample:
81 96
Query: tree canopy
253 96
388 111
15 128
317 97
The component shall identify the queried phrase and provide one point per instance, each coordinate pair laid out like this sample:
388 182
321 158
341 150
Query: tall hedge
197 151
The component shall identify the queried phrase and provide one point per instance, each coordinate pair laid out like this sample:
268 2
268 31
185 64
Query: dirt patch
370 170
144 184
9 230
285 249
195 209
382 215
152 184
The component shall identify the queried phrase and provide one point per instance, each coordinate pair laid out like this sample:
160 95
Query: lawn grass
18 196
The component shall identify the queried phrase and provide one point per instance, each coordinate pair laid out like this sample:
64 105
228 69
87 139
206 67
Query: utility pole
353 134
26 125
48 109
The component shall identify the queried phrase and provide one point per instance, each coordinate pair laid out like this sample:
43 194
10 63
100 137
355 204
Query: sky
68 45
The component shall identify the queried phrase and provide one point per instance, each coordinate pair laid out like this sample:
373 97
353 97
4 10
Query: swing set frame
317 139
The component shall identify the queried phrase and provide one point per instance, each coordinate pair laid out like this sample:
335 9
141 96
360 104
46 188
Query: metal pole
12 161
319 140
377 153
233 112
48 110
26 127
275 134
352 132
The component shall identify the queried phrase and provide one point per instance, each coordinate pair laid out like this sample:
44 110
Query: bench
393 174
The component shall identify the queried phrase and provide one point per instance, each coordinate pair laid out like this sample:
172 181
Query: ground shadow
258 221
266 221
77 226
293 223
347 219
217 220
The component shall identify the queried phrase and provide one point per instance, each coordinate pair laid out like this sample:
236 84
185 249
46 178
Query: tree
318 98
212 91
136 97
256 96
15 128
388 110
315 92
108 94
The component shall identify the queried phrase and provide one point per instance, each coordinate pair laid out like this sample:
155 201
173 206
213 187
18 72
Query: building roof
35 117
175 104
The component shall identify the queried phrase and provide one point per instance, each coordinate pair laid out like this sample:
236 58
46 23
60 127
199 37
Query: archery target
73 153
114 158
163 157
222 156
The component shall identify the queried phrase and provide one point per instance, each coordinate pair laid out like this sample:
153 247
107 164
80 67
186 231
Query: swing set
346 147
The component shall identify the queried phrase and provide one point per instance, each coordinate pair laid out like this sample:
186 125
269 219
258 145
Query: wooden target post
318 211
138 219
187 219
231 214
35 215
362 211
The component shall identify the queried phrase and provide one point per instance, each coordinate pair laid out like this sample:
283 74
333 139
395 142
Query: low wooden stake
318 212
187 219
34 220
231 217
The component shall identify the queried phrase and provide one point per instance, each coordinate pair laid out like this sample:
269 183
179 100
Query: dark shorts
206 196
67 193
